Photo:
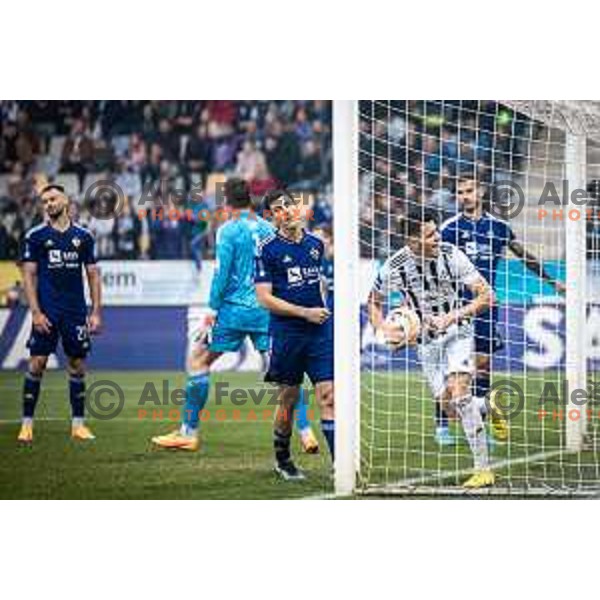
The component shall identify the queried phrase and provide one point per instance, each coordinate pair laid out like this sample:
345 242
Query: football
409 324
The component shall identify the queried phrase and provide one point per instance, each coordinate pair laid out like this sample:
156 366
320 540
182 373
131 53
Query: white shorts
448 354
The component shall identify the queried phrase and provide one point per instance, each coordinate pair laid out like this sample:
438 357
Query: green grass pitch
398 446
235 461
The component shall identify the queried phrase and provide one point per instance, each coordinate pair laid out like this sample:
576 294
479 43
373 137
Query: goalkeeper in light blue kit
237 316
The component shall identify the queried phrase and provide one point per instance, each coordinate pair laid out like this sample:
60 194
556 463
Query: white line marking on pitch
500 464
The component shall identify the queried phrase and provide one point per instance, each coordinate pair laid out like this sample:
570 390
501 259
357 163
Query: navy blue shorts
294 355
487 337
73 332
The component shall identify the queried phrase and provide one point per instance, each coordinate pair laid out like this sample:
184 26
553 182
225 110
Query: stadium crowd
412 151
163 150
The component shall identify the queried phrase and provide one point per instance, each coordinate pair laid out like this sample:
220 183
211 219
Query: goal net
539 402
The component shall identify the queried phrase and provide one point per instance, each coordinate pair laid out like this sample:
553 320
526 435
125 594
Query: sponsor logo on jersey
54 257
294 275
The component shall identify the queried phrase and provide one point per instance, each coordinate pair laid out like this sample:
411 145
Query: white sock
482 405
470 417
77 422
188 431
27 421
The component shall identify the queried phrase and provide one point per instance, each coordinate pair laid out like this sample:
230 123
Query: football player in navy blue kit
485 238
289 283
54 254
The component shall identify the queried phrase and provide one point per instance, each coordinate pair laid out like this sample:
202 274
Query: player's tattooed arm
40 321
95 318
535 265
264 294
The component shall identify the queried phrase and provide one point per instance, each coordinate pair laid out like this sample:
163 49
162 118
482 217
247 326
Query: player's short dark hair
237 193
51 186
272 195
469 176
416 218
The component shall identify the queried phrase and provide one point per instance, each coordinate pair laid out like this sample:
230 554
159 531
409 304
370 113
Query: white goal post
347 293
578 122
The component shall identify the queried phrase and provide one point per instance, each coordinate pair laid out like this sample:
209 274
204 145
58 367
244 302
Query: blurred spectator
78 152
412 151
168 236
139 143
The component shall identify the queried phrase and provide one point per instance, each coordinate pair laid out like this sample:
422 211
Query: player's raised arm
222 274
535 265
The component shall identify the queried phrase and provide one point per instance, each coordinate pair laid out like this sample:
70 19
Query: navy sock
328 429
77 395
441 418
281 445
31 393
481 384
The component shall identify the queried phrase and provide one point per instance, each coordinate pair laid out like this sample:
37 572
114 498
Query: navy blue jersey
483 241
59 257
294 270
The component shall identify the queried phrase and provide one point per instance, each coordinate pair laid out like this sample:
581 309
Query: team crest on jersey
76 242
314 253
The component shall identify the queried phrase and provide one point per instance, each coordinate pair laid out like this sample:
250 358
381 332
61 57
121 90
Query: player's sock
196 396
474 429
31 393
481 389
77 397
302 421
481 402
441 418
281 445
328 429
481 384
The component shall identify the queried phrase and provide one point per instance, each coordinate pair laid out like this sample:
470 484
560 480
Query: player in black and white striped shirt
430 275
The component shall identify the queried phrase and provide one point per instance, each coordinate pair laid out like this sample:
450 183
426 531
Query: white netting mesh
411 156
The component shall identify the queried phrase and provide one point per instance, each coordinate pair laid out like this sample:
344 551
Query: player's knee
482 363
37 365
325 399
459 385
200 362
76 366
